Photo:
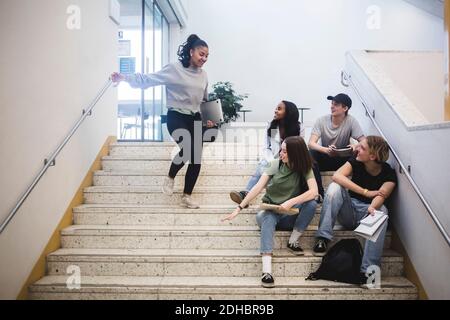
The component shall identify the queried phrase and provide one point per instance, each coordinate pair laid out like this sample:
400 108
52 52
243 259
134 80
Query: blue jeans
268 221
262 165
338 205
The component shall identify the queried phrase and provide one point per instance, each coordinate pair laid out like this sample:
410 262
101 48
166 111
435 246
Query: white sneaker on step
186 201
167 187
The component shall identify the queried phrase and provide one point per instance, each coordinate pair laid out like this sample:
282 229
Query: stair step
217 171
149 144
134 179
169 149
184 262
152 158
164 165
184 237
165 215
205 288
220 158
224 179
153 195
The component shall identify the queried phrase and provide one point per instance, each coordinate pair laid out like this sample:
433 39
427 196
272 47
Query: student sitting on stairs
289 182
350 200
284 124
333 130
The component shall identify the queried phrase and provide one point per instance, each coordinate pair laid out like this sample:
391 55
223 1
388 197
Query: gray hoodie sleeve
144 81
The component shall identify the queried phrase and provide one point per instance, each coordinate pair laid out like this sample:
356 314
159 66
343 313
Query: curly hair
289 122
184 51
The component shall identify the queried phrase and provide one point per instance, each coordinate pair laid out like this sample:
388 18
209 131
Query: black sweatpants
187 132
324 162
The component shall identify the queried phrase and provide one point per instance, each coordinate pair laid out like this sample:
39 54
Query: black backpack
341 263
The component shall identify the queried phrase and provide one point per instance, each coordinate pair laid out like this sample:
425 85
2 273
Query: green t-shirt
284 184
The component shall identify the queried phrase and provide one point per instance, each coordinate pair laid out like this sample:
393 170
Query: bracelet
239 206
365 191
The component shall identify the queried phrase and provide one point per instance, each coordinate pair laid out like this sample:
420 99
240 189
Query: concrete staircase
130 241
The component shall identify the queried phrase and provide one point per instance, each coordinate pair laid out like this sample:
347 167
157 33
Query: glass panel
149 68
129 61
143 48
165 60
158 64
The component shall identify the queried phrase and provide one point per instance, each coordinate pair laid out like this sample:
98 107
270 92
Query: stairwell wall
427 150
51 70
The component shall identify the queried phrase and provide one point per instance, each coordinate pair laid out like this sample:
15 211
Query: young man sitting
334 131
349 201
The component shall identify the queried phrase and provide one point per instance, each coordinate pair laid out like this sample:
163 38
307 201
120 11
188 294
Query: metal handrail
52 160
405 170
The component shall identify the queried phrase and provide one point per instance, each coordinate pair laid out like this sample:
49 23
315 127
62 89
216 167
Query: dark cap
342 98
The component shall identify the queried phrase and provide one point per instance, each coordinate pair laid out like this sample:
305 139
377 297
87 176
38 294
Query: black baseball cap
342 98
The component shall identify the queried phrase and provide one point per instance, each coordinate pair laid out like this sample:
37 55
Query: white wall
48 75
294 49
420 76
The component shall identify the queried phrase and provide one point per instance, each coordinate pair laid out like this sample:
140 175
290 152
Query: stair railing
345 77
52 160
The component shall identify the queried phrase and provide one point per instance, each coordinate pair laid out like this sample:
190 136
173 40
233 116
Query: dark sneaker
367 282
363 279
295 248
321 247
238 196
267 280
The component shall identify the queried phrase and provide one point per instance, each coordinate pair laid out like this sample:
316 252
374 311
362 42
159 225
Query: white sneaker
167 187
186 201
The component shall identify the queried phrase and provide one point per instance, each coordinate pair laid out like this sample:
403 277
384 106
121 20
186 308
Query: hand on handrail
116 78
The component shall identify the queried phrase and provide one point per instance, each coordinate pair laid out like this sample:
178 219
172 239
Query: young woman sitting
290 183
284 124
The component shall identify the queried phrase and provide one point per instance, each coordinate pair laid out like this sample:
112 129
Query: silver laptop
212 110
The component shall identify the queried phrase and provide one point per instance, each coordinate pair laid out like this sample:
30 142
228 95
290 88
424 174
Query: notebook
343 152
212 110
278 209
371 226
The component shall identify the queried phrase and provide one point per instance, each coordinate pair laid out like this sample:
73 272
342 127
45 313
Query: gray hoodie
186 88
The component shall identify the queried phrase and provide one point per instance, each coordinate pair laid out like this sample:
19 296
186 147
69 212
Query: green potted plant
231 101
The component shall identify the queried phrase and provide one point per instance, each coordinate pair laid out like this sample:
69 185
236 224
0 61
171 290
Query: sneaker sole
167 193
297 253
189 207
236 197
268 285
319 254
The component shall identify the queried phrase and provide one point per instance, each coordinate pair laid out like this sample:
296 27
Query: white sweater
186 88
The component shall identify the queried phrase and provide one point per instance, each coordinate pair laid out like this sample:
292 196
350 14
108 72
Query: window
143 48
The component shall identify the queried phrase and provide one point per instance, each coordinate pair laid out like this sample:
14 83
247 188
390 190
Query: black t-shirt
363 179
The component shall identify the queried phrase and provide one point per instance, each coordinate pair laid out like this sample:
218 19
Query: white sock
267 264
294 236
